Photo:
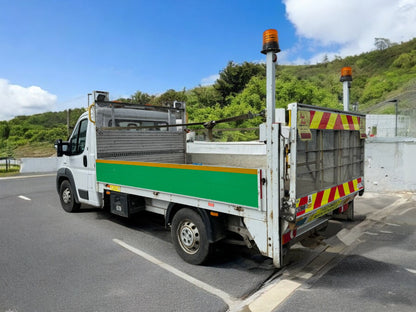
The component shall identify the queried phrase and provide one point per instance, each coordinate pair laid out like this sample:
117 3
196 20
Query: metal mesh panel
139 133
328 159
135 145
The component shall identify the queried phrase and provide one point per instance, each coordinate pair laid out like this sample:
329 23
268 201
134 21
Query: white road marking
265 300
411 270
24 197
392 224
29 176
386 232
406 210
370 233
215 291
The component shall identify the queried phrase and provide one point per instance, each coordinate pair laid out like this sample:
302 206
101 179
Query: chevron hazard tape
314 206
329 121
314 201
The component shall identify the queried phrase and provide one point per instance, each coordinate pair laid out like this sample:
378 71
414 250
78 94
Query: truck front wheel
67 197
189 236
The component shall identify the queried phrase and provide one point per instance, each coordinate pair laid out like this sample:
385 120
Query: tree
140 98
234 78
382 43
206 96
4 130
167 98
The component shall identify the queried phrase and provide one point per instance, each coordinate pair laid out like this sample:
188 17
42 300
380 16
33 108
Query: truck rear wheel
67 197
189 236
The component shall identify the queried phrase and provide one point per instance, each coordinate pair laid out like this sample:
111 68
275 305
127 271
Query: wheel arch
214 225
66 174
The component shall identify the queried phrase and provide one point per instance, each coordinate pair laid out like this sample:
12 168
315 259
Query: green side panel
230 187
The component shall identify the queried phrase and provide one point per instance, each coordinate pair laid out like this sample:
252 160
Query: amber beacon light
346 74
270 41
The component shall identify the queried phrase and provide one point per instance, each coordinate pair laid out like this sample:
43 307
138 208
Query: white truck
270 193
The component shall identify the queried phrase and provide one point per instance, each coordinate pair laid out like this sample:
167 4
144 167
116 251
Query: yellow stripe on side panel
316 120
344 121
355 183
331 121
337 196
356 123
346 188
325 197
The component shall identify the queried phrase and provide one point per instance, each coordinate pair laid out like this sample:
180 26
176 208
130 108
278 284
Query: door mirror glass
62 148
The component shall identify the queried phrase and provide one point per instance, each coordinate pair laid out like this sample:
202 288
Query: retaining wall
390 164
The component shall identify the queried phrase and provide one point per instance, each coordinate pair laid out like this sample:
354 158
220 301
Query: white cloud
209 80
351 26
17 100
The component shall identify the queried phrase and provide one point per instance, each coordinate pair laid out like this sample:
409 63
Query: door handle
85 161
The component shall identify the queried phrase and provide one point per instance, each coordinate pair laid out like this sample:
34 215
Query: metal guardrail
8 162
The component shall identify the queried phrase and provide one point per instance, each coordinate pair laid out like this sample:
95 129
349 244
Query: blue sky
54 52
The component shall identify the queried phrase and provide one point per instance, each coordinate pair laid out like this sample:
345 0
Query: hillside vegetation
378 77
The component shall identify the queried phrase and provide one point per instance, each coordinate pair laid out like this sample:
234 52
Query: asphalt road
51 260
377 270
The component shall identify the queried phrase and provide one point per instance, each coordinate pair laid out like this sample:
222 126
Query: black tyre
67 197
189 237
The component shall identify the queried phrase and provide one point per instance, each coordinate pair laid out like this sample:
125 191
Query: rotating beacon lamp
270 48
346 78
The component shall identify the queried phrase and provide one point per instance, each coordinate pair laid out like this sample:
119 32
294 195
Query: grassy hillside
33 136
378 76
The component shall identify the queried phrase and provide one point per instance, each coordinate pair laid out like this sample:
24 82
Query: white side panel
258 231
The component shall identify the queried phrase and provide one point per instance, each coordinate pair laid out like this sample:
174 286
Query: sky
54 52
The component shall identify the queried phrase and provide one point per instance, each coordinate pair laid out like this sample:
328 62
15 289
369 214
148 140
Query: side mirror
62 148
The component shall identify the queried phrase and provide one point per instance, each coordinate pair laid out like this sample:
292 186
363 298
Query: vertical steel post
270 88
272 147
270 48
68 120
346 95
396 106
396 109
346 78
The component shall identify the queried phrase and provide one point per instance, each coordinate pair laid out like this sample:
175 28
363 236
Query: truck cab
76 177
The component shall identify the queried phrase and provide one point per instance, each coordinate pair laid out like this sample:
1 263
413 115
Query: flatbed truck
306 167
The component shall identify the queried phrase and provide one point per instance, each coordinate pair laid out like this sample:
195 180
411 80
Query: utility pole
396 104
68 118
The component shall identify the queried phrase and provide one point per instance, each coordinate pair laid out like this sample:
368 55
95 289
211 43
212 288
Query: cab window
78 138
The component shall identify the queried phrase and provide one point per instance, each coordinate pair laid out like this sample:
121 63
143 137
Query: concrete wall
35 165
390 164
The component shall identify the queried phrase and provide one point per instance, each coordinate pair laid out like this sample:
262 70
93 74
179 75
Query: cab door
78 160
